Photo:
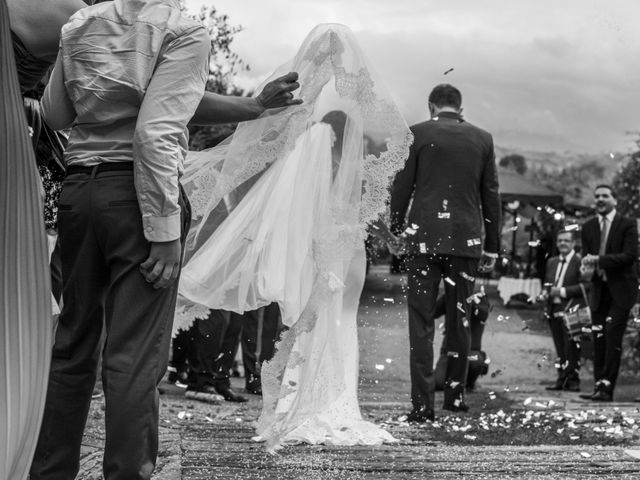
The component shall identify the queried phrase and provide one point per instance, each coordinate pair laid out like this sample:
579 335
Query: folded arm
629 252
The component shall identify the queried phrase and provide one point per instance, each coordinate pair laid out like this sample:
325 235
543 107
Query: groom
128 79
451 174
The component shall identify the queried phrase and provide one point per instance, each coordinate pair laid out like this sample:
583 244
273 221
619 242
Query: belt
102 167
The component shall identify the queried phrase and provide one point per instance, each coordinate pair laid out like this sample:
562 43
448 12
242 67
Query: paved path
202 441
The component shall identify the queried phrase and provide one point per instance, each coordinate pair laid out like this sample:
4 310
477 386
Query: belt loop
94 171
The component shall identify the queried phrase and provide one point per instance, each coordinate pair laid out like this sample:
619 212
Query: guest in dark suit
563 290
610 248
451 174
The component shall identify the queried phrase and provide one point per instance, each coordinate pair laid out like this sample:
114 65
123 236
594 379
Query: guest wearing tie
610 248
562 291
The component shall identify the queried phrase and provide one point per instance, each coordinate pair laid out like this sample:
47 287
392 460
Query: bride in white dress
280 214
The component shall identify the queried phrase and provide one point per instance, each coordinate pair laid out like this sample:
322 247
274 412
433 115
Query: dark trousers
425 274
215 341
567 350
609 324
259 334
102 246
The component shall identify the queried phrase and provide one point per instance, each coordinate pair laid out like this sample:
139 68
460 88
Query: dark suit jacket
571 281
618 262
451 173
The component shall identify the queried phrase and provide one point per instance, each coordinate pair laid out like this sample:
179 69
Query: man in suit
451 174
562 290
610 249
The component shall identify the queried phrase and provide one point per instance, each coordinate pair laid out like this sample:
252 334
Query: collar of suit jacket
450 115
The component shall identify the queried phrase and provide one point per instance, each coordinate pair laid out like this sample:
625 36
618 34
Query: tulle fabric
25 307
280 214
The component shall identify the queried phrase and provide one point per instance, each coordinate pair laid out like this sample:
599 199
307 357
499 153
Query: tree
515 162
575 182
626 183
223 67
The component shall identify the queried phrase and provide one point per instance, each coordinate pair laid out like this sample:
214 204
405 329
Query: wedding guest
563 289
260 329
610 250
478 360
212 350
128 107
451 174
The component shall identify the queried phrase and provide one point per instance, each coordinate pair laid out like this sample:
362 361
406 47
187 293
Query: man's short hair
445 95
607 186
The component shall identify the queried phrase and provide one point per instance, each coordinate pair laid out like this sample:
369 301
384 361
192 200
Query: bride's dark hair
338 120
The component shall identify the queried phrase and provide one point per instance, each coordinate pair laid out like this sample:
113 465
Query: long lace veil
335 77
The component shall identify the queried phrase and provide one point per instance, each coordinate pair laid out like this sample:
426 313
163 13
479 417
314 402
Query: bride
280 214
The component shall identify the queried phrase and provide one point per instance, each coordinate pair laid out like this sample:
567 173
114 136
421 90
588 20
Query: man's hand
277 93
590 260
398 246
163 264
487 263
555 292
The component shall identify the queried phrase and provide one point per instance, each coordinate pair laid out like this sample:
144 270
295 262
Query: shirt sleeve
171 98
57 108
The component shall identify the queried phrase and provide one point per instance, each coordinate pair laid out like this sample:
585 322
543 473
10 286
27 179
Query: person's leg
572 363
270 330
76 347
224 362
138 332
614 328
598 320
559 336
458 287
251 328
424 278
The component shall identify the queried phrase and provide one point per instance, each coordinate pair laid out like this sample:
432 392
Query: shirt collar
609 216
568 256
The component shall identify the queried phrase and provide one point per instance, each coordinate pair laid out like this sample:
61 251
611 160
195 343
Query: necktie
559 272
603 235
603 243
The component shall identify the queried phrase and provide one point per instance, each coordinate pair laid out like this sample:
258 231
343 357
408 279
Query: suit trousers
259 334
215 343
567 350
425 274
609 324
108 306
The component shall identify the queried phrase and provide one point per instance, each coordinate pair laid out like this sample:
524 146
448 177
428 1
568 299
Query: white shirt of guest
128 78
562 271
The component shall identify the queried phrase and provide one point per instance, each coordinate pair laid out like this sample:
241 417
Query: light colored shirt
128 78
561 272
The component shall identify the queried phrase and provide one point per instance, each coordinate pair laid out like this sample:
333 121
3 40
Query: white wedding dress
281 209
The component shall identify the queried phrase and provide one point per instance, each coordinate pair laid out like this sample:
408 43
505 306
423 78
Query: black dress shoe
572 386
587 396
254 390
556 386
637 399
421 415
602 396
231 396
254 386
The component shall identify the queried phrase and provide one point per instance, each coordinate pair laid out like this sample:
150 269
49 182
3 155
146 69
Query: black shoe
587 396
203 393
571 386
454 398
421 415
254 386
559 385
231 396
637 399
602 396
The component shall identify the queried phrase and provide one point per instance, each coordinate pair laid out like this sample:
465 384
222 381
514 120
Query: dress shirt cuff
563 292
490 254
162 229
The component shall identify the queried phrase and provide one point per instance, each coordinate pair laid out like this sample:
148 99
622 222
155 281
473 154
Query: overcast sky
538 74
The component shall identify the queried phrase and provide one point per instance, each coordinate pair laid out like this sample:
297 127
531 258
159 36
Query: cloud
538 74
